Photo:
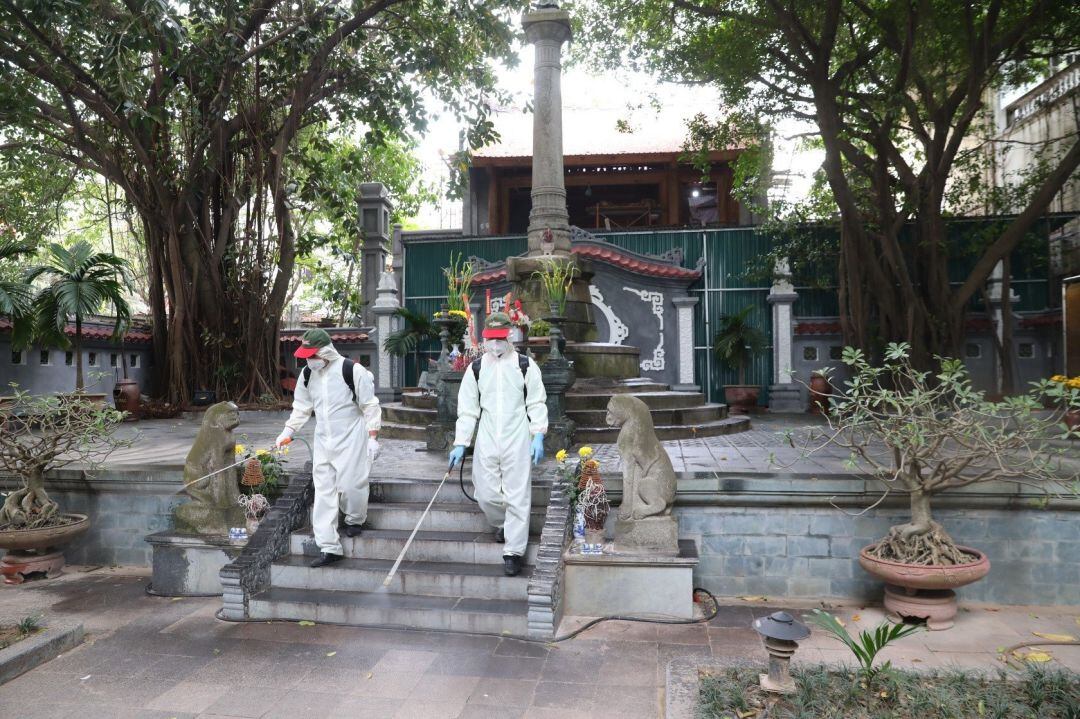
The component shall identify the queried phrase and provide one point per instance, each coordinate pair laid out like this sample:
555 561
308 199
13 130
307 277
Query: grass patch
837 693
11 633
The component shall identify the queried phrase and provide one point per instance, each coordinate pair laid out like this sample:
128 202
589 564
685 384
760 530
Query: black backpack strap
476 370
523 365
307 375
347 375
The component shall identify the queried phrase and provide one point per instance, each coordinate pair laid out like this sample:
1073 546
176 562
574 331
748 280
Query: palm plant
15 296
738 341
81 280
408 339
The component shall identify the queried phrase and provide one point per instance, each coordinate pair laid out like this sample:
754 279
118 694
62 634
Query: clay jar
126 398
819 394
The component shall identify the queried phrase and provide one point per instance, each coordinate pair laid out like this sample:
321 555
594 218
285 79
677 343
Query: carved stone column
684 327
374 208
388 372
548 27
785 395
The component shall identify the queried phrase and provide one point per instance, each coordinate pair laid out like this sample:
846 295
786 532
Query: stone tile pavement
151 657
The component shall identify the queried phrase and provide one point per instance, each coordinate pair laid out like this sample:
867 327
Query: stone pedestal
606 584
189 565
580 324
652 535
440 433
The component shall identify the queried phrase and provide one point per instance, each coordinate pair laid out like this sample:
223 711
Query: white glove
283 438
372 449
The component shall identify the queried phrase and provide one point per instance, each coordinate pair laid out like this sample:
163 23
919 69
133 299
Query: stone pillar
397 249
997 309
547 27
684 327
785 395
388 371
374 211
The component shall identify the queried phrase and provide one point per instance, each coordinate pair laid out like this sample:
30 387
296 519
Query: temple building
617 177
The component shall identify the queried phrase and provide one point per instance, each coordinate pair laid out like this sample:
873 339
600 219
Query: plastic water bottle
579 524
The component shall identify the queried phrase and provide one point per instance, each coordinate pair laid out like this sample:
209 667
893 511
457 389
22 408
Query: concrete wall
779 537
58 376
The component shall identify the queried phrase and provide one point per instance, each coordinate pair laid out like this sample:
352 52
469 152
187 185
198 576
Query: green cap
313 341
497 326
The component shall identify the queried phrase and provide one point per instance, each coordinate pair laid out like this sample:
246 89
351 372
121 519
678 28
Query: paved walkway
151 657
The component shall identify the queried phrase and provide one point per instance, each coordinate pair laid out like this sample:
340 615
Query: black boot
326 558
353 530
500 535
512 564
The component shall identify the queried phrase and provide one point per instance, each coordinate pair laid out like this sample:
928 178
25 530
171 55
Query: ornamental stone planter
741 398
28 549
921 591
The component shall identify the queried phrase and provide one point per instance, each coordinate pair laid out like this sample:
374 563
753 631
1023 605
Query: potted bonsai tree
923 433
735 344
43 433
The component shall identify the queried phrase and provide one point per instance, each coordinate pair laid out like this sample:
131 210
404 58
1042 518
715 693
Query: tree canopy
194 111
897 90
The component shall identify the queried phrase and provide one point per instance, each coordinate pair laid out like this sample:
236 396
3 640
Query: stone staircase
676 415
451 579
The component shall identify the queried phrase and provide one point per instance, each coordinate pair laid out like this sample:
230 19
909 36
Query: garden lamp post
782 634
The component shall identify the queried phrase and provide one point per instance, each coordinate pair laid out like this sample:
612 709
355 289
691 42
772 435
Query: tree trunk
921 516
79 384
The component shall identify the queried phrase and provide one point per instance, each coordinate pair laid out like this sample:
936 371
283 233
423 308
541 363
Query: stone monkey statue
648 477
213 508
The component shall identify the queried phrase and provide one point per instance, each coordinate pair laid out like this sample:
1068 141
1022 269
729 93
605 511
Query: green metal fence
727 285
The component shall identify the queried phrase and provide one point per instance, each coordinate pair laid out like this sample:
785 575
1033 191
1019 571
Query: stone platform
629 584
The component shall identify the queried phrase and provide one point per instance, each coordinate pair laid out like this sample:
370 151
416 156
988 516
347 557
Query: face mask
314 363
497 347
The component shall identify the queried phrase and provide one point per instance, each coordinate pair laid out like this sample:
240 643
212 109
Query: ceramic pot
252 526
741 398
45 537
1072 419
918 576
126 398
819 394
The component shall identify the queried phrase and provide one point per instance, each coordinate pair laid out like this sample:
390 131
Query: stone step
429 546
661 417
440 579
398 413
443 517
654 400
413 490
626 386
608 435
419 400
390 611
393 430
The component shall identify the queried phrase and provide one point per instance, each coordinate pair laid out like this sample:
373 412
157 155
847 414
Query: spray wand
408 542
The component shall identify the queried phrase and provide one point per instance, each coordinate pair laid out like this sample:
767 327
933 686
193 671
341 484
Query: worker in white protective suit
502 401
341 395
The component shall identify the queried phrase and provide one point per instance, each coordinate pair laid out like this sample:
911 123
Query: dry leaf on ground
1055 637
754 598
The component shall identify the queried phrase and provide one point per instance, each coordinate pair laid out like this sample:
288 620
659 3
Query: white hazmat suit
342 461
509 417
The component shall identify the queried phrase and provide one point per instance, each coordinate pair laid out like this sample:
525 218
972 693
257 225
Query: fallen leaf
883 694
1034 655
369 675
1056 637
754 598
748 714
330 654
992 609
916 661
306 623
856 617
86 677
982 708
217 651
176 599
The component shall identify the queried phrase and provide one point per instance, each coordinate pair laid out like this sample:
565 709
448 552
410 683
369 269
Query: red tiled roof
1049 319
817 328
611 255
96 331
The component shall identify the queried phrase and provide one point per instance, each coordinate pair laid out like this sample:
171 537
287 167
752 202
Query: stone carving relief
618 329
656 299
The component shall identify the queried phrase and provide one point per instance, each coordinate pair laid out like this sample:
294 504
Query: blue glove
538 448
457 455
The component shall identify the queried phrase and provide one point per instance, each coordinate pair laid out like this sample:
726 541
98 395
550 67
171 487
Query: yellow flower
585 452
1059 378
458 313
239 449
261 452
560 456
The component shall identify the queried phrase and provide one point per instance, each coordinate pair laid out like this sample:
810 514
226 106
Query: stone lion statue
213 508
